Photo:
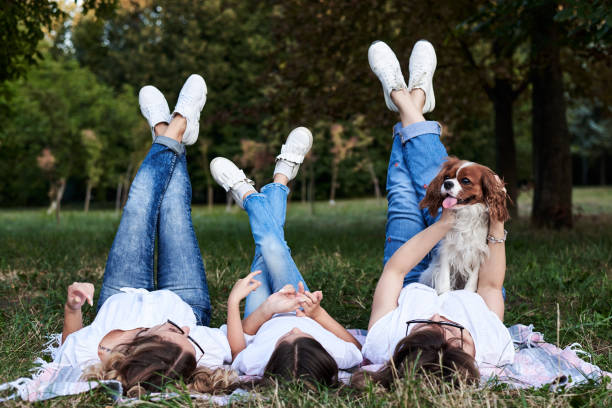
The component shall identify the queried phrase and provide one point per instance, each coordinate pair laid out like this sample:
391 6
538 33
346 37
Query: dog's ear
433 195
495 196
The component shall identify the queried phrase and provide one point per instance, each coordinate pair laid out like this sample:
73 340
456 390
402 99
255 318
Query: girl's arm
312 308
403 260
78 294
493 271
235 334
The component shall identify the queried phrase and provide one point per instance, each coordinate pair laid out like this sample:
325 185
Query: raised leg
179 265
130 260
272 255
416 156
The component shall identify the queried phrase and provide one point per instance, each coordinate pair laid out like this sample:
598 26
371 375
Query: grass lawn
339 250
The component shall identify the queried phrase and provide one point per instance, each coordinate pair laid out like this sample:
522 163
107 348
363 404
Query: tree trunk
311 188
87 195
210 195
373 178
552 166
505 150
334 177
127 181
228 202
118 195
58 198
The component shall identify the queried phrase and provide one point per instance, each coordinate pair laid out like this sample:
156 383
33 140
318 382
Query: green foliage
49 109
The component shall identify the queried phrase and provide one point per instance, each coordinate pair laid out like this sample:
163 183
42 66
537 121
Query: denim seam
416 129
157 210
247 199
275 185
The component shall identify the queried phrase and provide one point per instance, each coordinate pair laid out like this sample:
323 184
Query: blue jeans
267 212
416 157
159 203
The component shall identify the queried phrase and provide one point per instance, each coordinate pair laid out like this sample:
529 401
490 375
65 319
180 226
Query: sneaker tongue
449 202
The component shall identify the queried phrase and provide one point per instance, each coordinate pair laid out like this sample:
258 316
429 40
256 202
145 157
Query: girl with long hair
150 331
285 333
412 328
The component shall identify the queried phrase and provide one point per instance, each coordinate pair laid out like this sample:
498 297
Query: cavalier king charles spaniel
476 194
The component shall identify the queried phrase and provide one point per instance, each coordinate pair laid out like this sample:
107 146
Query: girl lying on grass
146 337
412 328
285 333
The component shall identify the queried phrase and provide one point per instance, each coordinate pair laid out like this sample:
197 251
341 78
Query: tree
22 27
93 166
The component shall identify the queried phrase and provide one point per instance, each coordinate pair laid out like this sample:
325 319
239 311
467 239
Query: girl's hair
424 353
304 359
148 363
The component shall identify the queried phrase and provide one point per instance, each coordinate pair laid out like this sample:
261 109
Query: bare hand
311 303
283 301
243 287
448 217
78 294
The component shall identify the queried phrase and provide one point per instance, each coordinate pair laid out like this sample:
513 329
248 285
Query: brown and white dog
476 194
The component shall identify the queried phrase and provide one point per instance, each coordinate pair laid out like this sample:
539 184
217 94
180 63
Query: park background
521 86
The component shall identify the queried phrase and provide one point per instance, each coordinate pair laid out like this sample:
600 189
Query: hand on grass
78 294
311 302
243 287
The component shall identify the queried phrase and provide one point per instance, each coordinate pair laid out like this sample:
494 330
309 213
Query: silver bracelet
494 240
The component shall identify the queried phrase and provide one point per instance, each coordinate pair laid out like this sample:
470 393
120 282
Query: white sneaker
422 67
385 65
231 178
190 102
153 107
293 151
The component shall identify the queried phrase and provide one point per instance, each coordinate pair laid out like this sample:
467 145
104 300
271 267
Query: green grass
339 250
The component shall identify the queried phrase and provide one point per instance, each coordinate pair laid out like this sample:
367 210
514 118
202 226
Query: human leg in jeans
417 152
179 264
272 254
130 261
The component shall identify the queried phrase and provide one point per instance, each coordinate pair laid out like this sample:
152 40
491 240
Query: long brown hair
304 359
423 352
149 363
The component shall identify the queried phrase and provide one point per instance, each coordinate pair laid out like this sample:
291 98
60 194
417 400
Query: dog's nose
448 184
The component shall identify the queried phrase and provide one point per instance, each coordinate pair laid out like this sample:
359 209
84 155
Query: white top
139 308
254 358
492 340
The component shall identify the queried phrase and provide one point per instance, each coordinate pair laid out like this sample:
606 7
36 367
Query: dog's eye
465 180
446 177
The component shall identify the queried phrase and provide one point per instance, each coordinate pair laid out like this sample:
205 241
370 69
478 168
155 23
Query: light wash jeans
267 211
416 157
159 204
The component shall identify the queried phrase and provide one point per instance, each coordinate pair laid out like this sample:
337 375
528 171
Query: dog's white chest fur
461 252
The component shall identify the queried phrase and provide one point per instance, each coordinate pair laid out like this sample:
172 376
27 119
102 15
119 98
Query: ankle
176 128
160 128
248 193
281 179
417 96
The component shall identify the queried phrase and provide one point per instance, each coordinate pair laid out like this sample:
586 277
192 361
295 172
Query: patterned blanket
536 364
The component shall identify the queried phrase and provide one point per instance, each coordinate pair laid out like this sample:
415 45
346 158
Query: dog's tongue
449 202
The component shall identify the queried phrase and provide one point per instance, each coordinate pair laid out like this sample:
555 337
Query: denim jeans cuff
248 199
416 129
275 185
171 144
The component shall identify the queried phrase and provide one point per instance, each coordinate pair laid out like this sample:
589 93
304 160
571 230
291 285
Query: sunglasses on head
442 323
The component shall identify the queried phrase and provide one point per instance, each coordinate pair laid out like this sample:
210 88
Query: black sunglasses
195 343
427 321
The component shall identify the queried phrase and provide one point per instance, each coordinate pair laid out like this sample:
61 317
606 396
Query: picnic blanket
536 364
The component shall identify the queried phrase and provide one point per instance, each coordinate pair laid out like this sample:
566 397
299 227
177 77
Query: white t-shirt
254 358
139 308
492 340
